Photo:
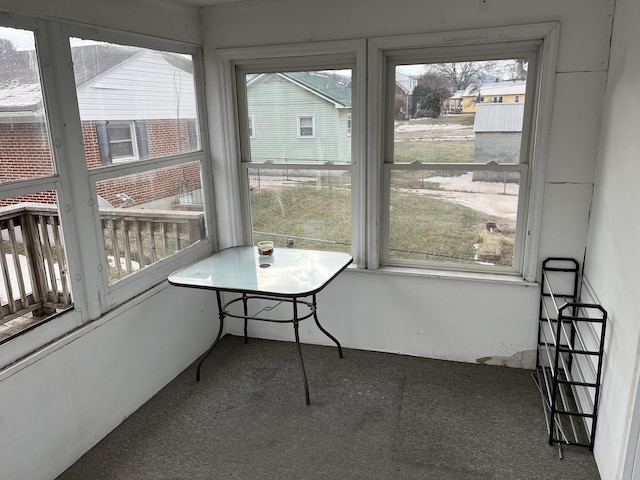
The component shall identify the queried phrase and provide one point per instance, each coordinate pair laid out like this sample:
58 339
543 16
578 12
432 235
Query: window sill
503 279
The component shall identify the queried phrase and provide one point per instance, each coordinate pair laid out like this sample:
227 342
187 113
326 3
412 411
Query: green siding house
299 117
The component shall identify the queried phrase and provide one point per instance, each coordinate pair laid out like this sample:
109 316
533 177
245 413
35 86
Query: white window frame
299 119
92 295
384 51
310 56
132 139
138 282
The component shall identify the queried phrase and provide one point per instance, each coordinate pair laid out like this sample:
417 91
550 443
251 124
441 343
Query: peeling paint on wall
524 359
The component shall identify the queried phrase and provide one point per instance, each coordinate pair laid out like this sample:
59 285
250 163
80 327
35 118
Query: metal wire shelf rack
569 357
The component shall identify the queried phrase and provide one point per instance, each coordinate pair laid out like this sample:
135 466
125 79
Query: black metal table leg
315 317
246 313
206 354
297 335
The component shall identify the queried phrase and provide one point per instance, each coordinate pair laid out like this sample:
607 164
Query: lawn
423 226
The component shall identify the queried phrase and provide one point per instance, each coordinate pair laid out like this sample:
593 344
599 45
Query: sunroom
138 137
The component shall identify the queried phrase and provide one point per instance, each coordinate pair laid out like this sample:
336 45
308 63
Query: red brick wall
168 137
91 150
24 153
145 187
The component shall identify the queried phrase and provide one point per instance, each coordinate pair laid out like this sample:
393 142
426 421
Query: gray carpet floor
372 416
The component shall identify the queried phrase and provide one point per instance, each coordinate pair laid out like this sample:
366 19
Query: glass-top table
288 275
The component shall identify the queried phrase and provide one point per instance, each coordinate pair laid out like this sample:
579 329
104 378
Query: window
135 103
454 181
457 189
439 189
299 193
516 98
306 126
349 124
155 92
117 141
145 166
35 283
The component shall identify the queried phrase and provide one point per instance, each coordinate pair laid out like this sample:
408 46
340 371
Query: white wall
613 254
61 401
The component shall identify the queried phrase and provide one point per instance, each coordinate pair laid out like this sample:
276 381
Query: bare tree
515 69
428 95
6 46
462 74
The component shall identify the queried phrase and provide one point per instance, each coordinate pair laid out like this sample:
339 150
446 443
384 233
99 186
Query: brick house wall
25 153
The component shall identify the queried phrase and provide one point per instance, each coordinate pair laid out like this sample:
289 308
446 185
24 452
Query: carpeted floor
372 416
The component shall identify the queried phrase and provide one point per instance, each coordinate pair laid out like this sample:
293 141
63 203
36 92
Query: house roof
20 83
20 91
511 87
91 61
498 117
406 82
322 85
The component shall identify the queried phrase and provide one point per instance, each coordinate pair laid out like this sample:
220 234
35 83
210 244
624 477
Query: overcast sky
23 40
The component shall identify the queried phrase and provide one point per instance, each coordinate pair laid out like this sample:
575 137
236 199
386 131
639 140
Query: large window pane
459 112
302 208
300 117
150 216
25 151
452 216
135 103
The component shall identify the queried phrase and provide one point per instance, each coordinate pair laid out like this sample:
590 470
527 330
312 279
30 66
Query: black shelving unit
569 357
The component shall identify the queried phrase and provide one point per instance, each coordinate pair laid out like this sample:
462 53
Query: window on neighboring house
516 98
35 282
306 126
497 99
156 90
117 141
299 194
252 132
349 124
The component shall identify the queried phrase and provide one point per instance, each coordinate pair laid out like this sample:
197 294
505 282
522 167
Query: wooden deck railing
34 273
34 277
136 238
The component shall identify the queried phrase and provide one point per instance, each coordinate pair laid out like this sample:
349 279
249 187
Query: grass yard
321 213
433 229
434 140
423 226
